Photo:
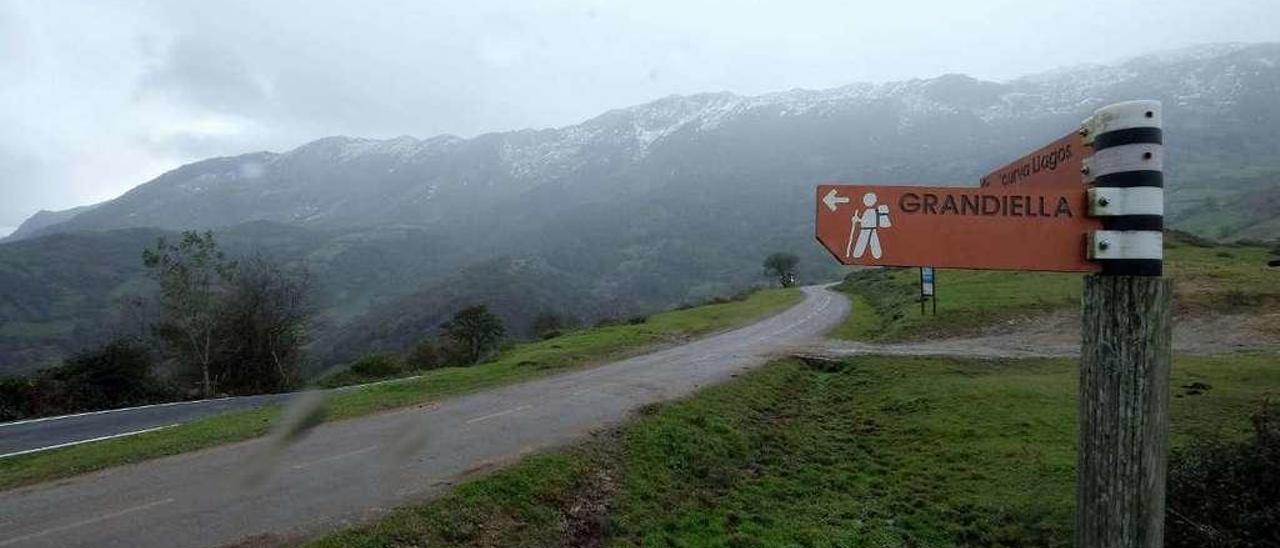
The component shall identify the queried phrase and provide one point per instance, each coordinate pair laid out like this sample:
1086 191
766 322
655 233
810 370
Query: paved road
351 471
32 435
36 434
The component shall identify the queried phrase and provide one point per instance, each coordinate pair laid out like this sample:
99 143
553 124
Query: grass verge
522 362
875 451
1207 278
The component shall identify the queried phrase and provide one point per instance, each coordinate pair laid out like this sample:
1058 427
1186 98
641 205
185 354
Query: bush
117 374
637 320
453 354
549 325
114 375
1228 493
17 398
425 355
740 296
377 366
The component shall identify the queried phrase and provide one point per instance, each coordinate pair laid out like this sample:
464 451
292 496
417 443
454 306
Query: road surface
351 471
33 435
42 434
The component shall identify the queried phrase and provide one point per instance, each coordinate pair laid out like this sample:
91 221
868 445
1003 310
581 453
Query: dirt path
1058 335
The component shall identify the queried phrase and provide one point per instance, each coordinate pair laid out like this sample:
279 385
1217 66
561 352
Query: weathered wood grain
1124 412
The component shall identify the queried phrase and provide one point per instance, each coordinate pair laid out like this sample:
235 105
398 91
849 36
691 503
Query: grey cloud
281 73
207 75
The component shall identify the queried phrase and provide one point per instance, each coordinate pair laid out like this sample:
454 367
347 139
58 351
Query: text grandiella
1003 205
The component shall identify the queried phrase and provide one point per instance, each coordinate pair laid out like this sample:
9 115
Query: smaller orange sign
953 227
1055 165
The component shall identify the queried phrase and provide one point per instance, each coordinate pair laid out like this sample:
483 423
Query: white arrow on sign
832 200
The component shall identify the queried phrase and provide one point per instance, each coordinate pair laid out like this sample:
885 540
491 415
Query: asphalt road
32 435
351 471
37 434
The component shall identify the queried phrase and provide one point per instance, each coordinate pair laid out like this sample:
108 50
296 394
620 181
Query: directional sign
1055 165
950 227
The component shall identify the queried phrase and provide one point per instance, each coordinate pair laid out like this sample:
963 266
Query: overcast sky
99 96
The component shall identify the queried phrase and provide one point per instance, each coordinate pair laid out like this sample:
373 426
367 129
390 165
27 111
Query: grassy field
575 349
1207 278
874 451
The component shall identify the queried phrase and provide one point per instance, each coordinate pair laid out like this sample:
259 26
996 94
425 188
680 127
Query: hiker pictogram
867 226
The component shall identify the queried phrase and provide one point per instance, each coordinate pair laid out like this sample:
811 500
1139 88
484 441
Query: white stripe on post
1126 244
1123 158
1118 201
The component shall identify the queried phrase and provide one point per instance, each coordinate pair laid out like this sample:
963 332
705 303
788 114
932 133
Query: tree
783 267
192 275
476 332
261 328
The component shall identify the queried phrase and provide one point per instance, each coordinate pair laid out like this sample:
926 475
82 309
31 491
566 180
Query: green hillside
872 451
581 348
1208 278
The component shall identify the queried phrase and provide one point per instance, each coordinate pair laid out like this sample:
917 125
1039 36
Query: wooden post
1124 412
1125 335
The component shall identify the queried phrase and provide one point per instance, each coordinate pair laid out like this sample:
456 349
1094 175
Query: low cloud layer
99 96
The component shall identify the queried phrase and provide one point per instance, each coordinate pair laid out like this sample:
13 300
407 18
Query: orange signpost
1056 165
949 227
1091 201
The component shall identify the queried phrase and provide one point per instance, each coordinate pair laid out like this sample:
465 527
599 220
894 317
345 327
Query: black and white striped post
1126 332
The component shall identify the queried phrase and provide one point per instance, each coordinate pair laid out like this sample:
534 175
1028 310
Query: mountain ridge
533 156
636 209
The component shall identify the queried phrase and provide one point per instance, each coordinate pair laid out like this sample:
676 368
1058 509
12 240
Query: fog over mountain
636 209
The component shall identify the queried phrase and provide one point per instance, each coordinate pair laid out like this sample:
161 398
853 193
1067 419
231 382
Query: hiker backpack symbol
865 228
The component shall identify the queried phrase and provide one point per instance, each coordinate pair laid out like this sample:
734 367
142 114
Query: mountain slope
1220 100
678 199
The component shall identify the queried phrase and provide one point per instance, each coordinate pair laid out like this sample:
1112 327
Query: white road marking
105 411
187 402
101 438
335 457
89 521
499 414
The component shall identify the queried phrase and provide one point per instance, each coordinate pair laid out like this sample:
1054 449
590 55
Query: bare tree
192 274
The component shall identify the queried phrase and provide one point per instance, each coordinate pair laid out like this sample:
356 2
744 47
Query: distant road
353 470
40 434
51 432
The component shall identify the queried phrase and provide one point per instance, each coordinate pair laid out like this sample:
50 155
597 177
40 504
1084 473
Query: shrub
116 374
453 354
377 366
549 325
1225 493
425 355
17 398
